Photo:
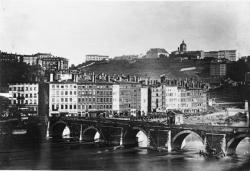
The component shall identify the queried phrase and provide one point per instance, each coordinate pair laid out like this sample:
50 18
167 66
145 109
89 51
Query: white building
96 58
24 96
144 100
231 55
62 98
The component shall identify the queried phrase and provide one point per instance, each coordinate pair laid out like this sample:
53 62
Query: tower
183 47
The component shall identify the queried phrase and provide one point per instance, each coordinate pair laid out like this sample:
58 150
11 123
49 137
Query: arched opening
92 134
66 132
142 139
188 140
60 129
135 137
239 145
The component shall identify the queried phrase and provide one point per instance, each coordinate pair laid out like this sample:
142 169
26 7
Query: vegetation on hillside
151 67
17 72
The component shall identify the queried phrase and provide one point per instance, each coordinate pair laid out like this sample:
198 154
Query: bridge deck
158 125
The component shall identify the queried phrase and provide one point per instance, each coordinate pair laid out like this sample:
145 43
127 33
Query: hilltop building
53 63
230 55
96 58
157 53
182 53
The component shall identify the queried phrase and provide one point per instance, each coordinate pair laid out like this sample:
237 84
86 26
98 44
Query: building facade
24 97
96 58
53 63
230 55
62 98
94 97
187 100
126 98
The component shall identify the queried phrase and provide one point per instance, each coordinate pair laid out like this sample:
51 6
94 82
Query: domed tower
183 47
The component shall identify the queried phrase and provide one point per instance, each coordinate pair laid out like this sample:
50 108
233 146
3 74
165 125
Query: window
70 99
66 99
61 106
62 93
70 106
74 106
62 86
74 92
62 99
66 106
53 86
66 93
70 92
30 95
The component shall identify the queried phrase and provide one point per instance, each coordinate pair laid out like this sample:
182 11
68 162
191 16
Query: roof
157 50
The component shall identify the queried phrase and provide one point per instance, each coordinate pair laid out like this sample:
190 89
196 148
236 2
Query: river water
17 152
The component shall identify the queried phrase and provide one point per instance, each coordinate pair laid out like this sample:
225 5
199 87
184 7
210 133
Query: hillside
150 67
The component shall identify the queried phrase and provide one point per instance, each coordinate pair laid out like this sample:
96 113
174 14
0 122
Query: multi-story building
53 63
24 97
94 97
218 69
96 58
188 100
62 98
157 98
126 98
156 53
231 55
30 59
10 57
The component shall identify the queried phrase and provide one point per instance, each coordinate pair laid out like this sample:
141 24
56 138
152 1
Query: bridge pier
169 141
215 143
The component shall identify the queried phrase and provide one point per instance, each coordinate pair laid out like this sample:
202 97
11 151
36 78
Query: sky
75 28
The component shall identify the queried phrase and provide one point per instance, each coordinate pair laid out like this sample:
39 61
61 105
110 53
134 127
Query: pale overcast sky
75 28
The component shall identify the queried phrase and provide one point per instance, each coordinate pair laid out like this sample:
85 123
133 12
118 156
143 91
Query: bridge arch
136 136
58 128
180 137
92 134
234 142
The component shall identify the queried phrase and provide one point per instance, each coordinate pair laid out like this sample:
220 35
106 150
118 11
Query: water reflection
23 153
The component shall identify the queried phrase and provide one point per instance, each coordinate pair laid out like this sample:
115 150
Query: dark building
53 63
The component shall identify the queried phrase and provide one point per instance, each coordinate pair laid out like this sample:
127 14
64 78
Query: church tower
183 47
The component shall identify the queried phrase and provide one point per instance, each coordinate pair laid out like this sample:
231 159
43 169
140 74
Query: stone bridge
123 133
